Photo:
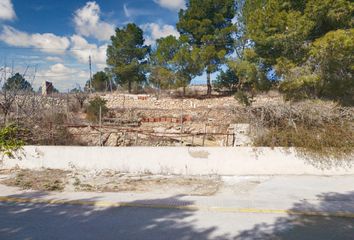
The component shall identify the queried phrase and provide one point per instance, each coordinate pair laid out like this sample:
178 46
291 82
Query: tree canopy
17 83
179 62
208 26
308 43
306 47
127 56
100 82
227 79
286 28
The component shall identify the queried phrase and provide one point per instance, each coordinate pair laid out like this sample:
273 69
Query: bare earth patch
110 181
46 180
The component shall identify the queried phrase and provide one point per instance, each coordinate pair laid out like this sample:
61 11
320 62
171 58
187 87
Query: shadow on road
309 227
44 221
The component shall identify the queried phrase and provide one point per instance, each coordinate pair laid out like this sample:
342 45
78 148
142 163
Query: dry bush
318 130
45 118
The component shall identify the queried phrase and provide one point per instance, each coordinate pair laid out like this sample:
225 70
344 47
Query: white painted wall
172 160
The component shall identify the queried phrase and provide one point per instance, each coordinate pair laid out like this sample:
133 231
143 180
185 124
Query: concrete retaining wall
174 160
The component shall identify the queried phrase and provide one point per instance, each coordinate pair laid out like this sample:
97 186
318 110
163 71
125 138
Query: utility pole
67 106
90 66
100 125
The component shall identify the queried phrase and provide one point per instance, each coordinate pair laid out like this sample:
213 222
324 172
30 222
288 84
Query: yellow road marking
165 206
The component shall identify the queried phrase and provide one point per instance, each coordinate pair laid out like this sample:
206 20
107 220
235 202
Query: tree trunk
158 91
209 84
5 118
130 87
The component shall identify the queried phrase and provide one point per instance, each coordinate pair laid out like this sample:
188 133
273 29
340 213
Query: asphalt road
298 205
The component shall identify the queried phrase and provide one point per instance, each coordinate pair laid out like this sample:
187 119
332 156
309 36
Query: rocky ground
144 120
116 100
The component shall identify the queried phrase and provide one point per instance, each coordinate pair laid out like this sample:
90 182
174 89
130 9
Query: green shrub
93 109
244 98
10 140
327 74
227 80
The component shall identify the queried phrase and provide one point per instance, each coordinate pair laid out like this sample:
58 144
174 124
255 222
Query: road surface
278 207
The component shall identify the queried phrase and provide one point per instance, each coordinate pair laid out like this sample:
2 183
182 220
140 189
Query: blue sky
55 38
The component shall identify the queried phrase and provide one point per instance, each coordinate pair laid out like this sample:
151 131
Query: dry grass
319 131
45 180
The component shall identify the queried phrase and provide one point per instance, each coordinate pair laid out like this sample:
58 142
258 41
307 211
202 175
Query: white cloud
88 23
77 45
58 70
133 12
7 11
54 59
82 50
155 31
127 12
171 4
46 42
63 77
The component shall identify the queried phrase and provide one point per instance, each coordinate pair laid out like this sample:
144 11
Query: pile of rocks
116 100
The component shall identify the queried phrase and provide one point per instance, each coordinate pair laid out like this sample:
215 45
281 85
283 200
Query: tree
241 41
100 82
186 64
175 61
161 77
162 74
127 55
17 83
96 107
166 50
227 79
334 64
208 26
80 96
299 40
286 28
328 72
12 87
250 72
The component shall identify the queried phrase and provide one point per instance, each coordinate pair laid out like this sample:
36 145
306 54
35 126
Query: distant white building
47 88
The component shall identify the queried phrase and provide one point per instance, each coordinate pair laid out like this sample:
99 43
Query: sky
51 40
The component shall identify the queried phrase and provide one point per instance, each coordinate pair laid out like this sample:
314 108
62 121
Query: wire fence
104 135
59 120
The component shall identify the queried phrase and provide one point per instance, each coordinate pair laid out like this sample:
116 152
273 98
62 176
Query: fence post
67 107
136 138
124 138
204 136
17 114
123 102
52 122
51 133
182 123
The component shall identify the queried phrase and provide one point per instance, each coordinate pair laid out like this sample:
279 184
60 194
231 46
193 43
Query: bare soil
110 181
46 180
